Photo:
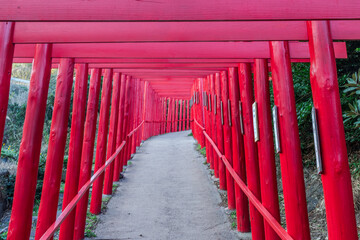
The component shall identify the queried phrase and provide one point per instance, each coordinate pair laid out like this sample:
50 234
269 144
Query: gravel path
166 194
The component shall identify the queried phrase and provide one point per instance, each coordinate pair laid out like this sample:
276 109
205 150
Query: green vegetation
201 150
91 222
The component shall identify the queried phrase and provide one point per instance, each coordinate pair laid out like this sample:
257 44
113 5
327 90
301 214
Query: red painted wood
87 151
188 109
172 50
82 192
224 83
154 60
129 119
126 10
238 155
111 147
119 133
219 133
75 148
297 222
265 146
206 115
29 153
214 123
252 198
336 177
6 56
71 32
56 148
251 158
176 115
181 114
100 157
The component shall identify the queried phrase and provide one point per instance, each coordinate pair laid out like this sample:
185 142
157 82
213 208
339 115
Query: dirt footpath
166 194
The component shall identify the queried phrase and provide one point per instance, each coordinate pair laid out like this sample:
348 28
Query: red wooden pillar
242 207
114 117
211 127
56 148
204 107
219 133
297 222
171 114
265 145
251 159
146 85
130 123
96 194
135 114
87 150
75 148
174 115
336 177
120 123
125 122
214 123
164 102
29 153
188 114
167 102
6 56
181 114
227 137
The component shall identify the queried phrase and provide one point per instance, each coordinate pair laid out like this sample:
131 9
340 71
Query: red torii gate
176 46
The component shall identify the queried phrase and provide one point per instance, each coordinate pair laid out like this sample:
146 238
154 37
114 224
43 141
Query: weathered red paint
187 10
214 123
188 114
176 115
56 148
238 154
6 57
75 148
29 153
251 158
87 150
119 132
61 32
96 194
238 49
224 83
181 115
111 148
219 133
265 146
336 177
252 198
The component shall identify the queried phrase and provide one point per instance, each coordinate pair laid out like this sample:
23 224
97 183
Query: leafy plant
353 88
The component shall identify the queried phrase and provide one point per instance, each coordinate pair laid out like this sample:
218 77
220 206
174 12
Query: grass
190 134
91 222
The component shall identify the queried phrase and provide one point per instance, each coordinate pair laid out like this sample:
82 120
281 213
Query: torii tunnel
165 66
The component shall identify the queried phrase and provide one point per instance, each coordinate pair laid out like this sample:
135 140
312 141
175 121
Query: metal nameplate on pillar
209 102
255 122
214 104
276 129
316 141
221 113
229 112
241 119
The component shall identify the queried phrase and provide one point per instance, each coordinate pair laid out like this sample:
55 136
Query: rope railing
282 233
70 207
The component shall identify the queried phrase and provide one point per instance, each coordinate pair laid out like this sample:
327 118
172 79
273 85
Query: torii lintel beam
87 32
175 10
173 50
